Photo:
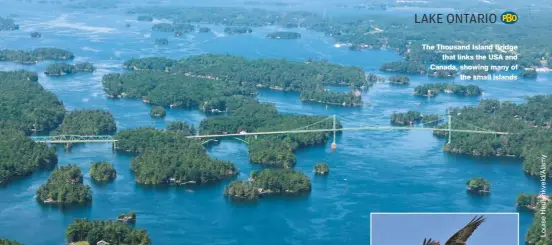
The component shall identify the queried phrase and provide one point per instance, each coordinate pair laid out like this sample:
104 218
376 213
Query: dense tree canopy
478 185
24 104
181 127
241 190
60 69
130 217
541 222
280 181
407 118
34 56
7 24
399 80
65 186
4 241
115 233
321 168
433 89
88 122
102 171
157 111
404 67
19 156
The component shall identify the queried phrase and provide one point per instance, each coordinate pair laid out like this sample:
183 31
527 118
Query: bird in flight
460 237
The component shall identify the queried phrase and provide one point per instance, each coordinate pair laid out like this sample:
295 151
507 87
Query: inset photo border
438 228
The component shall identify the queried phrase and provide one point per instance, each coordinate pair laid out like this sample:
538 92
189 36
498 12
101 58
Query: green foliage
141 139
283 35
60 69
433 89
399 80
24 104
8 25
431 119
161 41
19 156
408 118
241 190
36 34
65 186
102 171
4 241
478 184
321 168
181 128
541 222
36 55
280 181
88 122
115 233
527 201
237 30
158 111
332 98
404 67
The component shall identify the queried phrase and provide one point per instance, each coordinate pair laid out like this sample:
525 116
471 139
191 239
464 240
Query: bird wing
430 242
465 233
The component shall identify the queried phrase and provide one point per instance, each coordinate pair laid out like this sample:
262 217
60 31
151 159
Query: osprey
460 237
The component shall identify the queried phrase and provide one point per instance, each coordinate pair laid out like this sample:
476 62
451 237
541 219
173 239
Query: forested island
407 118
406 67
157 111
20 156
112 232
280 181
61 69
529 125
127 218
168 157
399 80
321 168
35 55
102 171
241 190
433 89
26 105
283 35
232 75
478 185
4 241
88 122
237 30
144 18
65 186
7 24
161 41
36 34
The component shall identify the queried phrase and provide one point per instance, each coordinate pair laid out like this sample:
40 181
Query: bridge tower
449 127
334 145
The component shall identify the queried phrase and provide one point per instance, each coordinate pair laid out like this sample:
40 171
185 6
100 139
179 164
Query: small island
161 41
36 34
34 56
65 186
83 231
280 181
321 168
241 190
144 18
102 171
88 122
528 73
478 185
433 89
442 74
283 35
8 25
408 118
237 30
127 25
157 111
129 218
332 98
399 80
204 29
61 69
407 67
162 27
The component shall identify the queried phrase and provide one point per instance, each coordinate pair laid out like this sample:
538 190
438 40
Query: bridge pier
334 145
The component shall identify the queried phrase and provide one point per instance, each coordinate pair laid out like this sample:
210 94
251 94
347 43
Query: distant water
379 171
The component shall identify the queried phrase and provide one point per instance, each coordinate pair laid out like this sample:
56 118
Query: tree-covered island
88 122
112 232
237 30
433 89
399 80
321 168
7 24
157 111
478 185
167 157
283 35
161 41
280 181
241 190
35 55
102 171
404 67
65 186
127 218
144 18
61 69
4 241
406 118
36 34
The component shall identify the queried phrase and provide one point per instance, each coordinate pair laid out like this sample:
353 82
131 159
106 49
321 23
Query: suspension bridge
75 139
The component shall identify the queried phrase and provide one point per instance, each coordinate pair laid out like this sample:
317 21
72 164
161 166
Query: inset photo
444 228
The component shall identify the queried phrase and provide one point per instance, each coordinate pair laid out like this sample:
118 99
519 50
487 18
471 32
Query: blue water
384 171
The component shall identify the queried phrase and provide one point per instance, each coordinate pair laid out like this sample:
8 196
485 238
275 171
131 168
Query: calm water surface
385 171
